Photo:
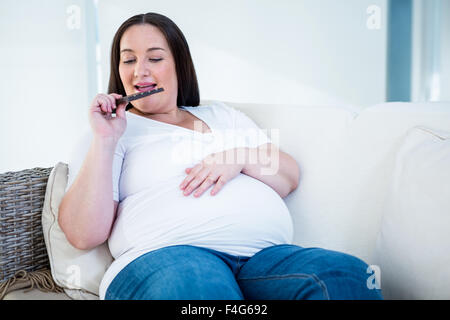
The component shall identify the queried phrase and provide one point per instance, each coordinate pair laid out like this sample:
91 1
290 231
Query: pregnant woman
189 197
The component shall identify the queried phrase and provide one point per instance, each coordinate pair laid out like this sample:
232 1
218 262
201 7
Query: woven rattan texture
22 245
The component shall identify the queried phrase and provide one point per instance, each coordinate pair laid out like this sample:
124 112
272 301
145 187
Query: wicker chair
24 261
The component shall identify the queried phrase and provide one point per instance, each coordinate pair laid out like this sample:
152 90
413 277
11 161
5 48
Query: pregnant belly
244 217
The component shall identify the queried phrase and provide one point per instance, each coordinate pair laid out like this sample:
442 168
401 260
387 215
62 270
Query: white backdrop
431 50
314 52
310 51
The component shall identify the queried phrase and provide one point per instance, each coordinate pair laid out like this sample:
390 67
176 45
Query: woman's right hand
100 116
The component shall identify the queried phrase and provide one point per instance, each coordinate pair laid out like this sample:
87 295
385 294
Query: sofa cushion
342 200
413 244
79 272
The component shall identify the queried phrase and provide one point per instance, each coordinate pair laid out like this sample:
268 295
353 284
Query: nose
141 69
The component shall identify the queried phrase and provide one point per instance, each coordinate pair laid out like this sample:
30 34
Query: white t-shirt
149 164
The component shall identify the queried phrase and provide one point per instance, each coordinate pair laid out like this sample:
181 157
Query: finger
219 185
96 104
190 176
120 112
103 104
210 180
111 102
198 179
120 105
115 97
106 100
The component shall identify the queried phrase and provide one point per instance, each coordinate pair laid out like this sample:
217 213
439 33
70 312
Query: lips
145 86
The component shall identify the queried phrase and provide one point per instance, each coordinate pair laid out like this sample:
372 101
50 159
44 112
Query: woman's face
145 58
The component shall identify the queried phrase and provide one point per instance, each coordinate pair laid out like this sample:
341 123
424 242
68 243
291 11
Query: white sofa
373 184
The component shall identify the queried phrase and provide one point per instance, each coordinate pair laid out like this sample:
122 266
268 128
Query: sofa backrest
346 157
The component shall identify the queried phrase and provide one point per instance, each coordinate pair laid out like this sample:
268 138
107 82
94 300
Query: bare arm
87 210
274 167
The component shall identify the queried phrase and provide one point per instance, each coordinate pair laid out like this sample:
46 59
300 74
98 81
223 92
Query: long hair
188 91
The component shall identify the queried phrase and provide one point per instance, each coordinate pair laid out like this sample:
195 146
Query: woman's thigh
291 272
178 272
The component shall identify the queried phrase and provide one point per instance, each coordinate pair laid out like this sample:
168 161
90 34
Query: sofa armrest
22 246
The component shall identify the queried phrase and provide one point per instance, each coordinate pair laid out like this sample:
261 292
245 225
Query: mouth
145 87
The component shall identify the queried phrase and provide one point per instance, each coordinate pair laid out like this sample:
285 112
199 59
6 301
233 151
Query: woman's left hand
218 168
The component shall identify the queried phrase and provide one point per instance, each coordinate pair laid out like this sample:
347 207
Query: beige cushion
413 246
79 272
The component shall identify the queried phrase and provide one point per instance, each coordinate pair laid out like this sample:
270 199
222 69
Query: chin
146 106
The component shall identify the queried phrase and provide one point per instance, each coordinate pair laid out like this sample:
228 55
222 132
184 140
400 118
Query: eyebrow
149 49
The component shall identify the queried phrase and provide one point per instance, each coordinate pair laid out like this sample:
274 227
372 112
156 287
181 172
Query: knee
347 263
347 277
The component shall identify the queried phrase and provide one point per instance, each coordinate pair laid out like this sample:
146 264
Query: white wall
445 52
431 51
310 51
44 83
305 52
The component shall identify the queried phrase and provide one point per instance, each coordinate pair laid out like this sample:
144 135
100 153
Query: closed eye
152 60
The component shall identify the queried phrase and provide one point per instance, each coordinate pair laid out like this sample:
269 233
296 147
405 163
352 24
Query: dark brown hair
188 91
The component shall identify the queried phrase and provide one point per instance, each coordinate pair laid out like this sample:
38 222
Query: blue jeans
286 272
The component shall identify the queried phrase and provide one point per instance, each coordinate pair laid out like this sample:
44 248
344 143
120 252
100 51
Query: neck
172 117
